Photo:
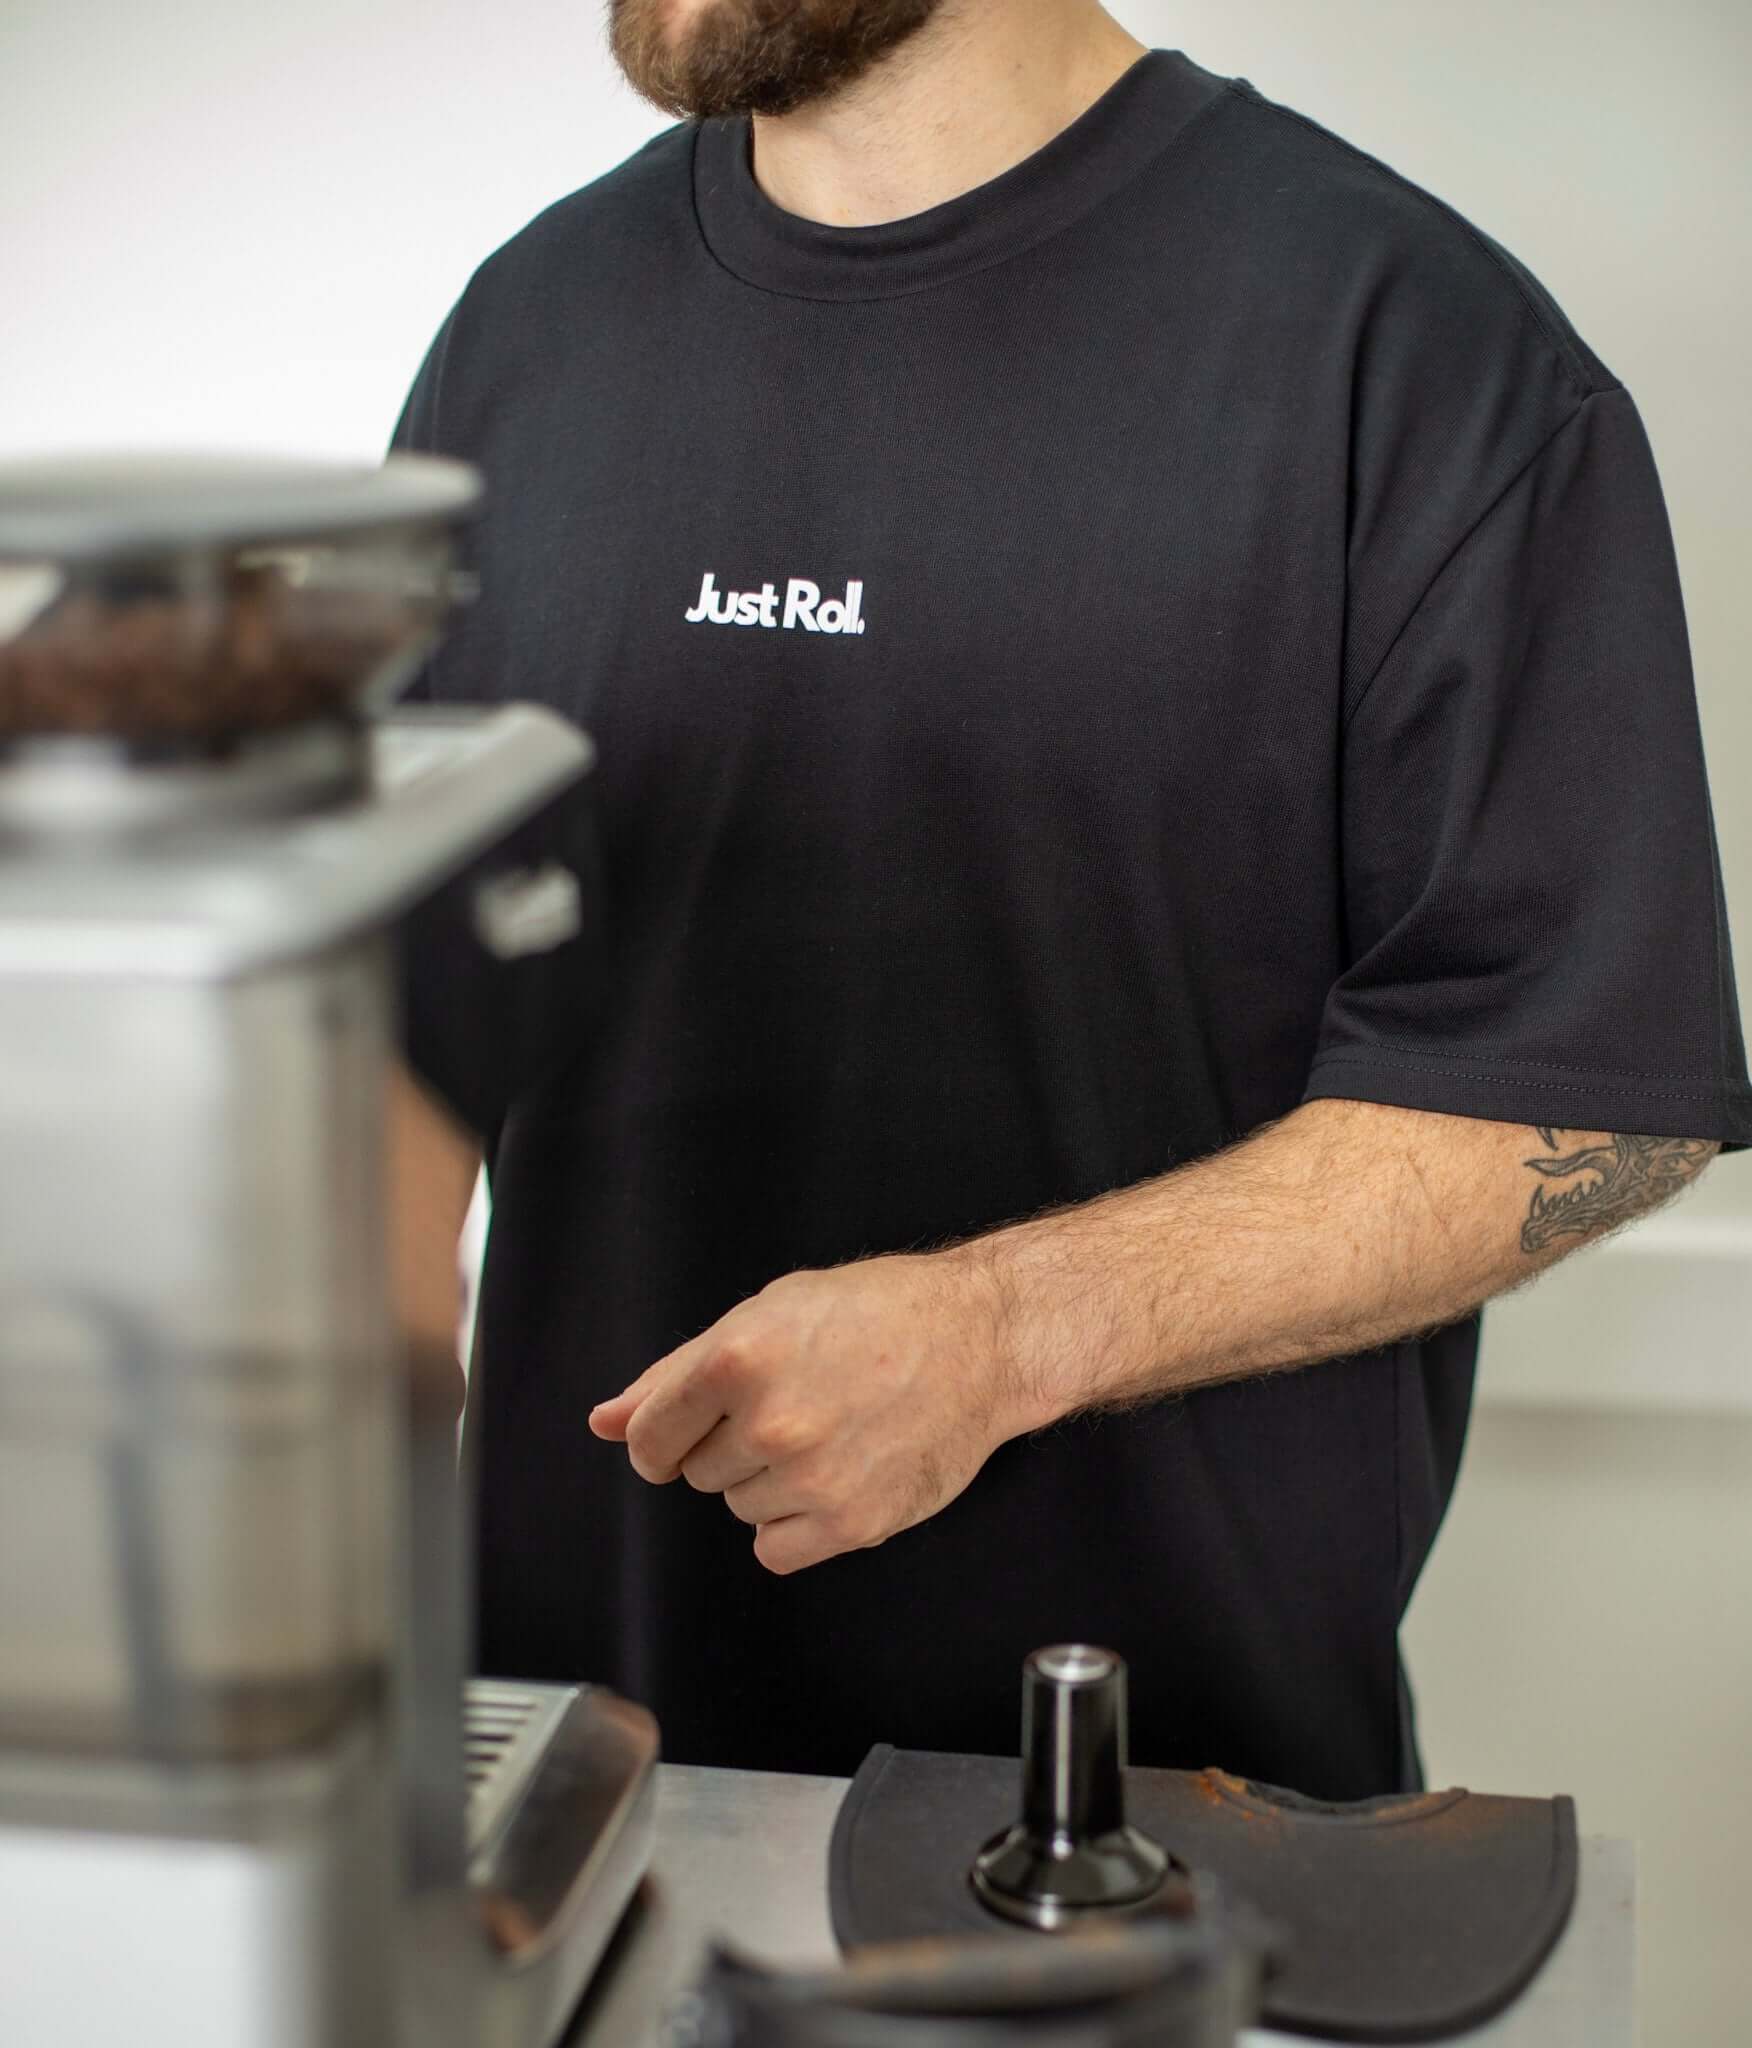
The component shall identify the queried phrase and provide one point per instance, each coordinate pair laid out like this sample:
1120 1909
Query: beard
755 56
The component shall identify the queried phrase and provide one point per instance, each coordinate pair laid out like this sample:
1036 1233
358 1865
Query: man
1153 832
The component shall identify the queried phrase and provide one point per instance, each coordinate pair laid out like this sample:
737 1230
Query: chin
700 58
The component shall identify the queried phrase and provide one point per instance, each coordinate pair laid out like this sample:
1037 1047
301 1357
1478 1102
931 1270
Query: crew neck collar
1137 118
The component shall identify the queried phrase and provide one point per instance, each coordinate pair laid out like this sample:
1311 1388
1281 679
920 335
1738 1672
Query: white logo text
801 606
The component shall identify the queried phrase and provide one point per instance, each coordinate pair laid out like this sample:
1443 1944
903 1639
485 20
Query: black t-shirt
1183 629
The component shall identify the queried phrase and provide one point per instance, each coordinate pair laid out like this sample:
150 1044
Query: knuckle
814 1485
779 1436
643 1452
813 1494
852 1528
726 1366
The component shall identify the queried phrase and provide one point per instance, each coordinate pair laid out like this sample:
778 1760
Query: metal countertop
744 1854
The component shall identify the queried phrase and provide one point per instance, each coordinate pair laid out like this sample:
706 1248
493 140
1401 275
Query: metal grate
506 1731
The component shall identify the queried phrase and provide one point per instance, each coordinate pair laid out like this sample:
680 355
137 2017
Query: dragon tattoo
1616 1179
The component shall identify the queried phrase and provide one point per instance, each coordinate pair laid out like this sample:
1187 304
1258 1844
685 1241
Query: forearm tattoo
1613 1182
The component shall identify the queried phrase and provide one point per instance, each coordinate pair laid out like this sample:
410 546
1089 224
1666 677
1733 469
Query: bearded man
1154 854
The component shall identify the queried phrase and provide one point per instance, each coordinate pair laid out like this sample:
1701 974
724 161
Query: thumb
609 1418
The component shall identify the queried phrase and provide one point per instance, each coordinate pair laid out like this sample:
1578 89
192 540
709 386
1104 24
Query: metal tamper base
1072 1856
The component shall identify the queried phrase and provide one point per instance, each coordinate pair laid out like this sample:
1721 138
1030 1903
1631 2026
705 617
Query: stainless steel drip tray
506 1731
561 1804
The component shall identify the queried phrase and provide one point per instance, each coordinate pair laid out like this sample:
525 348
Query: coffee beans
162 665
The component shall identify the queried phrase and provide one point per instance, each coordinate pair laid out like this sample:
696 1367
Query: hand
833 1409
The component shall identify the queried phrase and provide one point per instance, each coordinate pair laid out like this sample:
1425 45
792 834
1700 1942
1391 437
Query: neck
984 84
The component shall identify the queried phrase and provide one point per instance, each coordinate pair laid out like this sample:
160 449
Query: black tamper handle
1073 1743
1071 1855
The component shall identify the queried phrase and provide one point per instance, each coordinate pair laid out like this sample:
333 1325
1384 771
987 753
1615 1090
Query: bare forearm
834 1409
1344 1226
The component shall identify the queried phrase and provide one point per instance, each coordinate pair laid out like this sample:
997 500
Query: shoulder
616 218
1446 368
554 292
1415 270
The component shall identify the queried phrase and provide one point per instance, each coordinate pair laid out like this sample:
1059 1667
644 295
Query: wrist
1008 1334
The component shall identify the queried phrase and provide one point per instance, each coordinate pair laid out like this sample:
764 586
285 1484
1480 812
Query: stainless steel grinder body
202 1584
231 1773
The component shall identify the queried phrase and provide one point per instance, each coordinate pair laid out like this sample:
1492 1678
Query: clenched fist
833 1409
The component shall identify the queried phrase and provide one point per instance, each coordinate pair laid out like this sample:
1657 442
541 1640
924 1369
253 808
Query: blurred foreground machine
246 1800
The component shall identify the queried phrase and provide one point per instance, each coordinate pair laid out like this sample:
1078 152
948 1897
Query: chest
1079 570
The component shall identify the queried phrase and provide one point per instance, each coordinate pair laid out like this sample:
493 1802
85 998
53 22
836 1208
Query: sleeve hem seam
1604 1083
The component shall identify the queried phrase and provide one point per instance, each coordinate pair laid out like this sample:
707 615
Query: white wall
1584 1627
228 225
233 225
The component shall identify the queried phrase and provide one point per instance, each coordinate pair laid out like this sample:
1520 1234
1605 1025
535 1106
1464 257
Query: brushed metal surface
571 1825
89 508
445 786
743 1855
208 1534
196 1436
505 1728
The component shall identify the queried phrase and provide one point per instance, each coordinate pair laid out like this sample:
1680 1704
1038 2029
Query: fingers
691 1397
768 1497
609 1419
612 1419
721 1460
668 1417
796 1517
797 1524
795 1542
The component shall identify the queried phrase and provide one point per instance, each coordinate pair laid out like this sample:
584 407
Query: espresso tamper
1071 1856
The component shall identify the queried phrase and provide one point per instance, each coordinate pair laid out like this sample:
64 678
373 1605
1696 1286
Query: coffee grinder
247 1799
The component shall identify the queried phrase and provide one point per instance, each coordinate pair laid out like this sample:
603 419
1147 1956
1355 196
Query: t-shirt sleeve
482 1026
1535 925
416 433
